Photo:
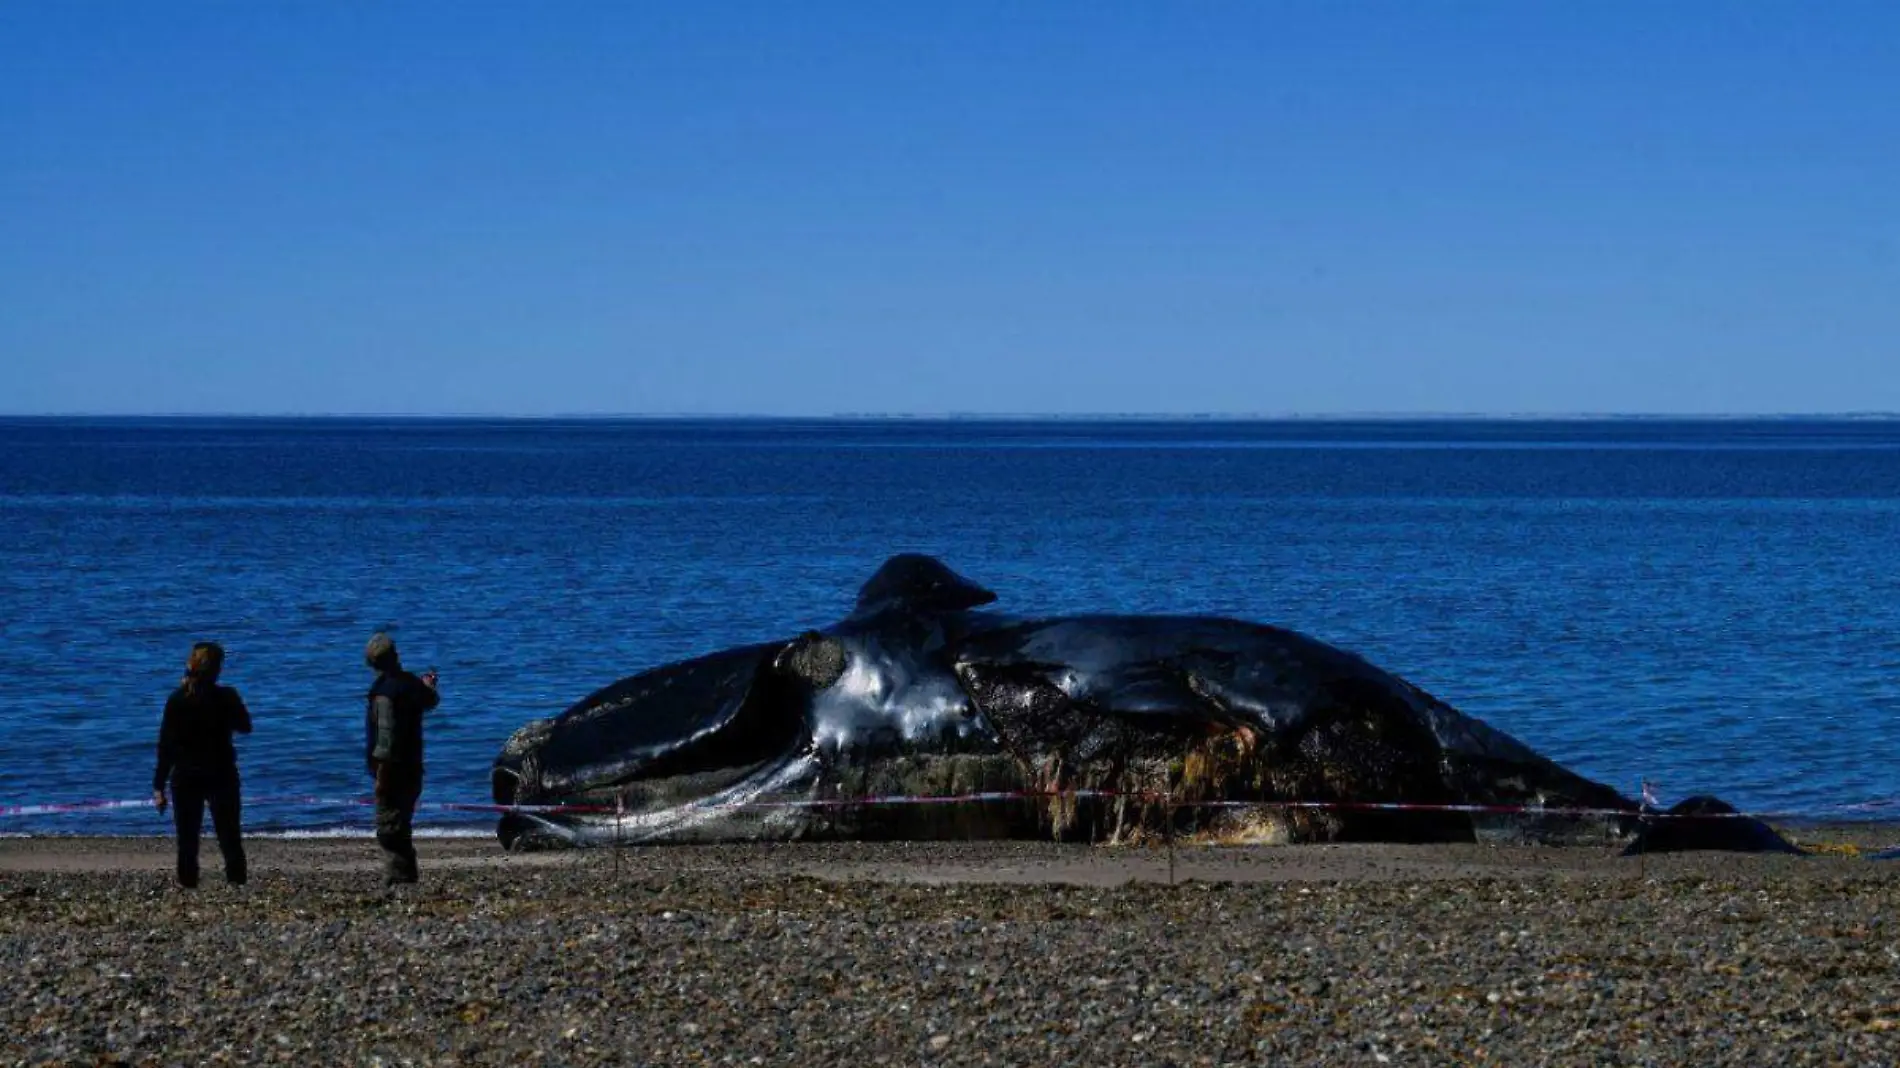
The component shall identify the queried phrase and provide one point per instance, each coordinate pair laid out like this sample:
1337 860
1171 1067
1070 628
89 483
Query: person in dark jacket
196 757
393 750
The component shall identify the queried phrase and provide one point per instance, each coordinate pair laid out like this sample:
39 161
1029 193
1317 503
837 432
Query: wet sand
952 953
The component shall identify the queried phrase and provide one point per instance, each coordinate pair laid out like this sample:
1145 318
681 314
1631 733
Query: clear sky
809 208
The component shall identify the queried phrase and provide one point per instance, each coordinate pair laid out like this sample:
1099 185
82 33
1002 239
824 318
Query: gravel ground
902 955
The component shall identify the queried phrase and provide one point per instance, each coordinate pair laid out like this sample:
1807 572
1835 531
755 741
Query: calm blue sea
1712 605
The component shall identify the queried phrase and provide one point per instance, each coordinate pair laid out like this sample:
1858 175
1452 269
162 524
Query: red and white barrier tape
1318 806
64 808
68 807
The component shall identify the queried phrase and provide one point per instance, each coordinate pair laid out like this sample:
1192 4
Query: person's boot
399 872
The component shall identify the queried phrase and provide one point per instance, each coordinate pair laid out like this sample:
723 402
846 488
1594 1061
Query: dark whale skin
1704 822
1193 725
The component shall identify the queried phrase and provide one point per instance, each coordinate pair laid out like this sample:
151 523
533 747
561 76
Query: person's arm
167 750
240 717
382 711
430 696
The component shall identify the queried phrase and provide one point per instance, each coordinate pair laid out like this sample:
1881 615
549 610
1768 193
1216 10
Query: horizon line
961 416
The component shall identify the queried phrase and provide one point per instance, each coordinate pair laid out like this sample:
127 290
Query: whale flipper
1704 822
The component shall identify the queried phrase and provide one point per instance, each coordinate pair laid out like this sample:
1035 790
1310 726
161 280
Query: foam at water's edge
370 832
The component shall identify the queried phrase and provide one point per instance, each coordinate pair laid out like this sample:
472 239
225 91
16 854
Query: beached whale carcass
1097 727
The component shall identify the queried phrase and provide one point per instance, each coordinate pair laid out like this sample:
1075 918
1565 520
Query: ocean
1710 605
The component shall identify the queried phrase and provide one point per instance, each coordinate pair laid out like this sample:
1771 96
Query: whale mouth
767 798
507 784
528 830
504 783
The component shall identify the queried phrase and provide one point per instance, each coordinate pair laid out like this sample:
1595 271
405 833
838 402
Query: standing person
393 746
196 755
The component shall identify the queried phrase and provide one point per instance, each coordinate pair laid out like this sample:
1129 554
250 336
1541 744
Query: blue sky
1020 207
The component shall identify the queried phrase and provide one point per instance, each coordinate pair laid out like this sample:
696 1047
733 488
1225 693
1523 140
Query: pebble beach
953 954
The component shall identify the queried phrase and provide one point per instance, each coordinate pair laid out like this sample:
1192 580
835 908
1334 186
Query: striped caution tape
1151 797
70 807
1146 797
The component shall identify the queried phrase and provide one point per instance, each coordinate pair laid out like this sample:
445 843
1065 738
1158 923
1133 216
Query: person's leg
395 816
188 817
226 819
409 869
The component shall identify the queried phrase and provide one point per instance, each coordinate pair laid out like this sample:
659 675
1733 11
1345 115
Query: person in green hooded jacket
397 701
